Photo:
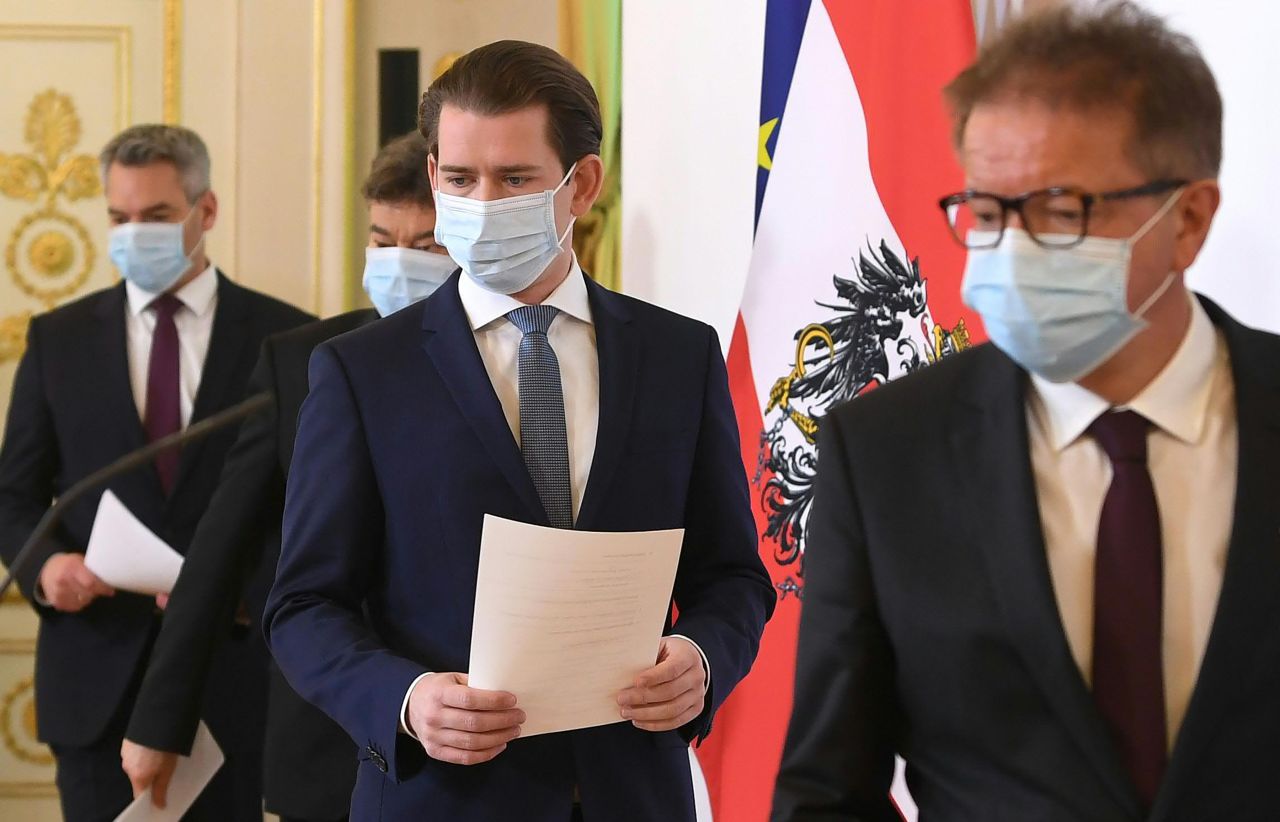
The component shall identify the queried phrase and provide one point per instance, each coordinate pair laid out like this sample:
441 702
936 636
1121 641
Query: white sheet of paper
189 778
126 555
566 619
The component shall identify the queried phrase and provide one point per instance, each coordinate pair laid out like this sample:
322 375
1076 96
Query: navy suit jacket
402 449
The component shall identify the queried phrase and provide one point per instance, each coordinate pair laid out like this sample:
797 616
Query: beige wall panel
275 173
207 103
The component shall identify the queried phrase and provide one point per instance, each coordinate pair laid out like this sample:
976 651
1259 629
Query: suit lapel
228 341
1249 604
989 439
450 343
619 354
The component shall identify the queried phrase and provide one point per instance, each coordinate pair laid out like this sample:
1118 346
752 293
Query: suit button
378 760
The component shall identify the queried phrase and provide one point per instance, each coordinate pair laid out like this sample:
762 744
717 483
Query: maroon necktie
1128 584
164 411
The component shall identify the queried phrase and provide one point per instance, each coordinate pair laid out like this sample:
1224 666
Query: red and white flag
854 281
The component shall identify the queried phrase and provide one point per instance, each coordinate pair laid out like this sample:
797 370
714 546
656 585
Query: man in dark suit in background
1083 622
309 761
172 344
524 390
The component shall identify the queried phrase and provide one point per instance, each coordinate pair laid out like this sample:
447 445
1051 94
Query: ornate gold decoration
18 724
13 341
172 60
50 254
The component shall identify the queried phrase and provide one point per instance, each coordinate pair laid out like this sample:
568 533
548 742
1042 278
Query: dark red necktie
1128 585
164 411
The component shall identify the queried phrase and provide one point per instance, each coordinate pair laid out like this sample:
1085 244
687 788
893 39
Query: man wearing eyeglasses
1085 622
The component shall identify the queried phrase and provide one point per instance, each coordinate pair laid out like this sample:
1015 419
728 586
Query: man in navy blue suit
524 390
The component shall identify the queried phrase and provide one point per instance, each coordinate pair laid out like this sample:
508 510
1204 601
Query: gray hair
154 143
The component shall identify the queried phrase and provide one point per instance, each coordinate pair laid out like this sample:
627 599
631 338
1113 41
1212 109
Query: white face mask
1061 312
152 255
502 245
395 278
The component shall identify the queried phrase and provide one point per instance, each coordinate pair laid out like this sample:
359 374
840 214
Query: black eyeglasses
1054 217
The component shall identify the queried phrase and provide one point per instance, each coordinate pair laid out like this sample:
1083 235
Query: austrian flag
854 281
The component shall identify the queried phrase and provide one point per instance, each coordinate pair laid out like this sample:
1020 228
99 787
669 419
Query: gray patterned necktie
544 438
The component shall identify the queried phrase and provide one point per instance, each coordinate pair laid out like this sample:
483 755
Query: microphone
134 459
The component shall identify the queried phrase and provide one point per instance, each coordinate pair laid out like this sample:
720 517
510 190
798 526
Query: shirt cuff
404 706
706 666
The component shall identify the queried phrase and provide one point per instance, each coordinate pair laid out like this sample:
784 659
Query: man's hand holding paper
670 694
460 724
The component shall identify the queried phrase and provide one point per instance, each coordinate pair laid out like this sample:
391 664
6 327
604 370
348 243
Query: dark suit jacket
310 763
402 449
72 413
931 629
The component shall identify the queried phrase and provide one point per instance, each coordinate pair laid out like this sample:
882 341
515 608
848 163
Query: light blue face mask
1059 313
395 278
502 245
151 255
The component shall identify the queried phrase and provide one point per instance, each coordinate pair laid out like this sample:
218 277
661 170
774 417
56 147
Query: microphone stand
130 461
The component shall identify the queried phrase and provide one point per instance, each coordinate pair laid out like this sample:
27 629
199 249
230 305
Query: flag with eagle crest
854 281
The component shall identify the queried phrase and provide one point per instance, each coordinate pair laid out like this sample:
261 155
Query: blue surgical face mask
395 278
1059 313
151 255
502 245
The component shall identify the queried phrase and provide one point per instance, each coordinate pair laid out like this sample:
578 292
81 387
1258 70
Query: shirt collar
196 295
485 307
1177 400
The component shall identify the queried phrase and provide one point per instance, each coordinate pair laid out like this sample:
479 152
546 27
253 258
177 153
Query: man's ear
1197 206
208 205
587 180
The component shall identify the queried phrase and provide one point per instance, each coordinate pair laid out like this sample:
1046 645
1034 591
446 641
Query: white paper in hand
126 555
189 778
566 619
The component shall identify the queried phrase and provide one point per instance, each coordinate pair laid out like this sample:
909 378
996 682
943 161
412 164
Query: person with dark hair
309 762
1083 621
170 345
520 389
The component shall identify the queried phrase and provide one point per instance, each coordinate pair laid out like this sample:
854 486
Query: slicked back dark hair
510 75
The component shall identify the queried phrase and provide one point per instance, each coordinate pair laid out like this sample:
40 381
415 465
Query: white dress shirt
194 321
1192 456
573 338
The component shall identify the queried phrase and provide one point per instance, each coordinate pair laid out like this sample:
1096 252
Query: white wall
1240 265
691 102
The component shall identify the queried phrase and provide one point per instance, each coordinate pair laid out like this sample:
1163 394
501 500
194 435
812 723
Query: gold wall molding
317 148
28 790
18 724
349 252
119 36
172 100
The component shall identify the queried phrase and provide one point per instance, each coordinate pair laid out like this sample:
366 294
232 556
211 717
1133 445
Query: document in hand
126 555
566 619
189 778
